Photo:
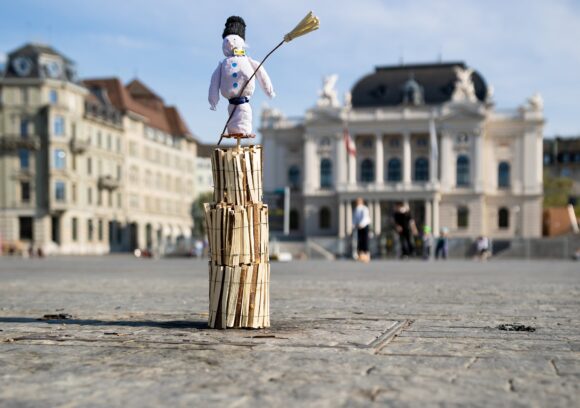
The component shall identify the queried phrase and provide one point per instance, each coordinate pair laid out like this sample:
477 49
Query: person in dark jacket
406 229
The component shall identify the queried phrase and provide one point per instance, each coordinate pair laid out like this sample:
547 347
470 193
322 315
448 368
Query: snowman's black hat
235 25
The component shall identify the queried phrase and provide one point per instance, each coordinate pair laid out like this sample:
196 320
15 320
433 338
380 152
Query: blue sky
520 47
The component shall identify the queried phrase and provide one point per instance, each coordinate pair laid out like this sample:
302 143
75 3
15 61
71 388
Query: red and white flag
349 143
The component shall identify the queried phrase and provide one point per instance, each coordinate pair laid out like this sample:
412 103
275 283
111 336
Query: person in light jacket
361 220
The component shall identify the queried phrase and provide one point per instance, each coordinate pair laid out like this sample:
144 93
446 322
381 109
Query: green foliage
198 213
557 191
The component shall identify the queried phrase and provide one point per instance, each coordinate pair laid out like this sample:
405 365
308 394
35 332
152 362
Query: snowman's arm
214 87
263 79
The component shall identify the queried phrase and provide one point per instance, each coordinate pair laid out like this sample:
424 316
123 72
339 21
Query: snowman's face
232 42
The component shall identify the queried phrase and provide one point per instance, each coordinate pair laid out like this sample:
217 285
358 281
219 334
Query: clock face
22 66
53 69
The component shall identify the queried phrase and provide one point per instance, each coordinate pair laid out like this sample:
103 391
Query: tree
198 213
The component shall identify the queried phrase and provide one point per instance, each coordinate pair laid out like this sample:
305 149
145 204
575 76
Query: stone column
447 163
341 219
428 214
348 209
478 163
436 226
377 219
351 170
379 159
407 158
340 164
310 171
434 164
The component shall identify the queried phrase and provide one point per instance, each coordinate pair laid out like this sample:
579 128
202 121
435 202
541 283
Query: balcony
79 146
14 142
108 183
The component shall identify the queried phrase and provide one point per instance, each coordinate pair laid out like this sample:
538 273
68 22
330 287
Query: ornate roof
385 86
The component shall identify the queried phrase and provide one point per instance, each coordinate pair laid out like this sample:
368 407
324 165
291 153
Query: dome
434 82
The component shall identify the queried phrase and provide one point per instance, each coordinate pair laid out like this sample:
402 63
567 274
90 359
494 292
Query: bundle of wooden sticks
237 227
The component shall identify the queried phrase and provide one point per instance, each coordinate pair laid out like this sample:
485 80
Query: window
73 191
53 96
547 158
59 159
118 172
462 217
109 142
294 177
25 191
118 140
324 218
23 128
24 158
60 191
421 169
99 139
58 125
25 228
294 220
100 230
119 200
74 229
89 166
394 170
394 142
367 143
89 230
503 175
422 142
325 142
503 218
325 173
24 96
367 171
90 195
463 171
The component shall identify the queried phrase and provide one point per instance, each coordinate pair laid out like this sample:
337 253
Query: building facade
89 166
426 135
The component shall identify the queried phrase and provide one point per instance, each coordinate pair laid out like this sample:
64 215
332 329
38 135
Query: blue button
235 84
234 64
235 74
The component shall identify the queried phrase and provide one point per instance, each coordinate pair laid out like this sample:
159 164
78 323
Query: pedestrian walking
406 228
427 242
442 244
361 221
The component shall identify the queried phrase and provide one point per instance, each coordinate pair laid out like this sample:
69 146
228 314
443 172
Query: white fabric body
229 78
361 217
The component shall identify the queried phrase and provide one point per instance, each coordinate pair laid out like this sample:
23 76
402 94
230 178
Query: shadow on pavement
171 324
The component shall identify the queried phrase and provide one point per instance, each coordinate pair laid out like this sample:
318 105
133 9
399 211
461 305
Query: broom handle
244 87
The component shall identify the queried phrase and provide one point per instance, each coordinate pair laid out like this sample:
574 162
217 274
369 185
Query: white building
479 172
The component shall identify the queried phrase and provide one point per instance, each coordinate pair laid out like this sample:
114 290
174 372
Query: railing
108 183
13 142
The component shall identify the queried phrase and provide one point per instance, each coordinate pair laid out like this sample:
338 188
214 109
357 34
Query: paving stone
343 334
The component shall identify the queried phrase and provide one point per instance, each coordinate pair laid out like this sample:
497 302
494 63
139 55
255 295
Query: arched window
324 218
462 217
463 171
503 218
421 169
294 220
503 175
294 177
367 171
394 170
325 173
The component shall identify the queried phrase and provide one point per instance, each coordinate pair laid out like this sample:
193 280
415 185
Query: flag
349 143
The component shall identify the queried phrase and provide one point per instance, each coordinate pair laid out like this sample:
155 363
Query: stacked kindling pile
237 225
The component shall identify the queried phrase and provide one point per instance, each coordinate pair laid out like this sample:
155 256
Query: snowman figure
231 76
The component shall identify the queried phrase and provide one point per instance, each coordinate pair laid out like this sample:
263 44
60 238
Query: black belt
239 100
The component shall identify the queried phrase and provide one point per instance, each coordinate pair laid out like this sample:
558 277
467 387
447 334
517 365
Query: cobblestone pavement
343 334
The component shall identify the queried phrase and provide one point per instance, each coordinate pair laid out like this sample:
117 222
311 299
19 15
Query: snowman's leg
241 121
